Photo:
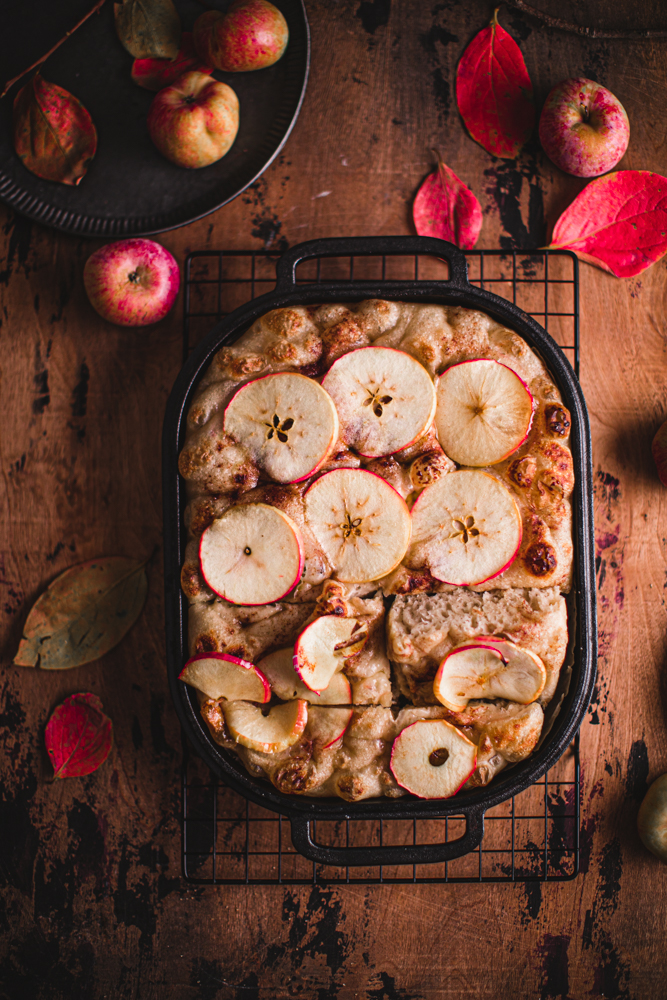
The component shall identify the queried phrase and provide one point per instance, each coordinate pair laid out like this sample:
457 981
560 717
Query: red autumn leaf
494 92
618 222
53 133
154 74
445 208
78 736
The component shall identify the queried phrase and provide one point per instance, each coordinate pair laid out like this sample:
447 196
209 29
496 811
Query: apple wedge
488 668
432 759
251 554
327 725
484 412
322 648
469 526
360 521
218 675
385 399
278 668
271 733
287 422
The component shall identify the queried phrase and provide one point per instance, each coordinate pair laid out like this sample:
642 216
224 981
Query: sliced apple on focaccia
278 668
323 646
469 527
218 675
281 728
252 554
488 669
385 399
432 759
360 521
484 412
288 423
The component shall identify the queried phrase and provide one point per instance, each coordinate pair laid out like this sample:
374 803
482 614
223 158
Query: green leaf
149 28
84 613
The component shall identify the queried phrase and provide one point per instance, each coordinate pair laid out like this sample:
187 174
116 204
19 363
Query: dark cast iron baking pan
130 189
301 810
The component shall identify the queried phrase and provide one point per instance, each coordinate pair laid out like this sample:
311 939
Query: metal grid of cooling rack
532 837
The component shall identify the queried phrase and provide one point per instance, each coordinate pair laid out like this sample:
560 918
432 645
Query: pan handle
372 246
399 854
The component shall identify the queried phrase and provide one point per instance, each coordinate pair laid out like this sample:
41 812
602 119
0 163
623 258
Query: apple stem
584 112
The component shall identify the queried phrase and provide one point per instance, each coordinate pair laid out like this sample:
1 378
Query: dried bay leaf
445 208
78 736
148 28
83 614
494 92
54 135
618 222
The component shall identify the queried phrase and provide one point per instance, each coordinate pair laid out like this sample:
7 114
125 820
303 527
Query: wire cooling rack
532 837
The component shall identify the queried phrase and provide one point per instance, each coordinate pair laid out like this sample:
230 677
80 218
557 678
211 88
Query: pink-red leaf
53 133
494 92
445 208
618 222
154 74
78 736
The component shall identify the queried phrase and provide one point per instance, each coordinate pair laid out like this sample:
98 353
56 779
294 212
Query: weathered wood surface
93 902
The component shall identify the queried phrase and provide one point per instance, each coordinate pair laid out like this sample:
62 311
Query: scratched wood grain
93 902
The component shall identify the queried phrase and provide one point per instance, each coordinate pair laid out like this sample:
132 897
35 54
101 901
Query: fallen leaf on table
154 74
78 736
618 222
445 208
54 135
148 28
494 92
84 613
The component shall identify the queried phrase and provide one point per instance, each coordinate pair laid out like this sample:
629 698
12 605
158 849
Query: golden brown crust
219 472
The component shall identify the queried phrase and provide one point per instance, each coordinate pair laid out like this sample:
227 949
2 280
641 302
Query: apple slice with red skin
327 725
432 759
484 412
287 422
251 555
281 728
321 649
385 399
278 668
218 675
488 669
362 523
469 525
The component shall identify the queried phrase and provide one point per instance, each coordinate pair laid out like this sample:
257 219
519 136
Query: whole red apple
252 34
132 282
584 129
194 121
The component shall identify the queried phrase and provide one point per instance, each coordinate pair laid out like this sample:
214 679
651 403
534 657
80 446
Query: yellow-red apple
584 129
194 121
252 34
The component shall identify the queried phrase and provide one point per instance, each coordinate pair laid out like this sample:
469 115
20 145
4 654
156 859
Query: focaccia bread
409 619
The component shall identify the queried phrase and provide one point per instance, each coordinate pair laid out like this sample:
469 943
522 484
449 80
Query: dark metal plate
130 189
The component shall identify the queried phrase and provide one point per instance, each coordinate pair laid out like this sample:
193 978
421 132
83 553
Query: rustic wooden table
94 905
